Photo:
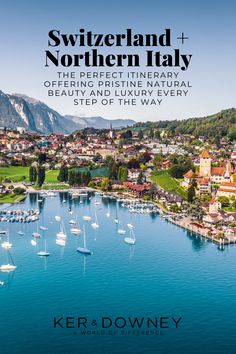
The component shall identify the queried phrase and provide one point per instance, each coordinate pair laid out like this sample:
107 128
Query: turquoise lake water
168 273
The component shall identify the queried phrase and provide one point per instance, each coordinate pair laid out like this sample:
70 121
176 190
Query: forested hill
220 124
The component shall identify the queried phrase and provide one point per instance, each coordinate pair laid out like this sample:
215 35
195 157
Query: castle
208 175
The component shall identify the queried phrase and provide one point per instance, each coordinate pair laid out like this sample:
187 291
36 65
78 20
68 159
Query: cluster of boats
24 216
139 207
61 235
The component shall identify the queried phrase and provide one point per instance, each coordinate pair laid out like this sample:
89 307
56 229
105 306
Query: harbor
85 252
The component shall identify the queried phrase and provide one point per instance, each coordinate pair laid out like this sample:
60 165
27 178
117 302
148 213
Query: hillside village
191 178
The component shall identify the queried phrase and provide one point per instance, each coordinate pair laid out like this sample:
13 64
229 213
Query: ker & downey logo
117 325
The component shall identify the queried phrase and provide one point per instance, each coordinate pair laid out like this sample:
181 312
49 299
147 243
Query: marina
77 267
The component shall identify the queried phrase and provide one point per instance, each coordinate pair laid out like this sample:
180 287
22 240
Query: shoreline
194 227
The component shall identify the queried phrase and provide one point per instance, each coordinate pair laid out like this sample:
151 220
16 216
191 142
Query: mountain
218 125
19 110
99 122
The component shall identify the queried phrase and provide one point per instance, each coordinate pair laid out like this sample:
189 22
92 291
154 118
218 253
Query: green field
14 173
165 181
17 173
51 176
11 198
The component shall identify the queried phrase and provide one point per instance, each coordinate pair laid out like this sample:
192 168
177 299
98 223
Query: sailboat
61 234
3 232
121 231
130 240
108 211
21 232
44 253
84 249
57 218
43 228
36 234
87 218
95 224
96 202
75 229
130 226
116 218
72 222
8 267
6 244
60 242
33 242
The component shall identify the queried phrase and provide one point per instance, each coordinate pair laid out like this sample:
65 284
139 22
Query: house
227 189
133 174
214 206
204 185
188 177
212 218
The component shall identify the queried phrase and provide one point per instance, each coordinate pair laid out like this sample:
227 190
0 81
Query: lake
169 273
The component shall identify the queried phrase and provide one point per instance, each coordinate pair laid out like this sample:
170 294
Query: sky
210 26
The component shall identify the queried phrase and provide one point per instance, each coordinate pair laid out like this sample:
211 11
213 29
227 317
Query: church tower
111 135
205 164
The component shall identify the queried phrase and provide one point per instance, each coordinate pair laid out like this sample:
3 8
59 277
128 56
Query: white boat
44 253
72 222
130 240
95 224
130 226
6 245
60 242
82 193
108 212
75 230
51 194
1 283
33 242
121 231
62 234
57 218
3 232
21 233
96 202
84 249
116 220
36 235
7 267
87 218
43 228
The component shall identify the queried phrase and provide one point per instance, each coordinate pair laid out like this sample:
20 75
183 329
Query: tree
113 170
127 134
63 174
71 177
140 134
191 193
33 174
224 201
140 178
42 158
133 163
41 175
122 173
176 171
